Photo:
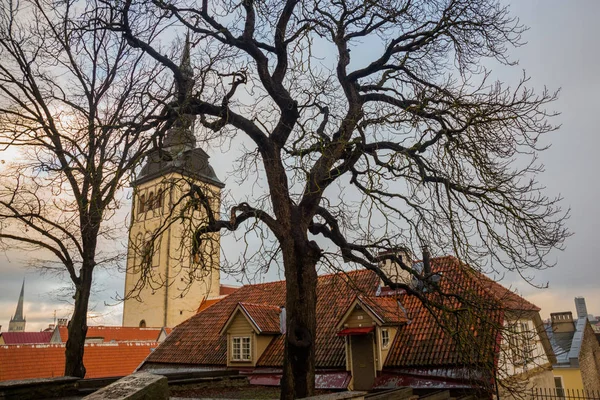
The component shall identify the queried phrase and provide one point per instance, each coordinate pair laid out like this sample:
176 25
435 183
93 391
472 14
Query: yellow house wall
571 377
383 353
262 342
170 300
358 318
242 328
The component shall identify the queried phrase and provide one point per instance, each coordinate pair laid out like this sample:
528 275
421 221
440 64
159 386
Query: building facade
168 275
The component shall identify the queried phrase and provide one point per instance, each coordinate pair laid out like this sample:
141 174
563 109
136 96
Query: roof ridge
257 304
332 274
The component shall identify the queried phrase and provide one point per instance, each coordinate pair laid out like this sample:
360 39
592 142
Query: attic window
240 349
385 338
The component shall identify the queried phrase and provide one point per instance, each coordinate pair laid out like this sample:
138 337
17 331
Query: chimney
282 320
562 322
394 271
581 307
426 260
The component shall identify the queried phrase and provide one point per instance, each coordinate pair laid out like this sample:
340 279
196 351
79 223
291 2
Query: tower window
150 204
158 201
142 204
143 323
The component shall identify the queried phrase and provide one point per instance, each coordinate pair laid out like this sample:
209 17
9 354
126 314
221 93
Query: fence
564 394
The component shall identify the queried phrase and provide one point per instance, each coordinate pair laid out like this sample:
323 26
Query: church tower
165 283
17 322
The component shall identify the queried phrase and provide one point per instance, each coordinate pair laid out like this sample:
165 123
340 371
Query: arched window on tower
142 204
159 200
150 205
143 323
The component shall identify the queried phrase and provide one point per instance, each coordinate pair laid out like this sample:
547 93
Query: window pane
246 348
236 349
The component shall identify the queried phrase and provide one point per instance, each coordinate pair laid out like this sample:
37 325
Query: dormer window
385 338
240 349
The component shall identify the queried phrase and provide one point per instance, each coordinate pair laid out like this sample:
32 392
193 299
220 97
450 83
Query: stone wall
589 360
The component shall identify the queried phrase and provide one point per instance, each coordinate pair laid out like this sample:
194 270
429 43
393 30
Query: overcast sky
562 52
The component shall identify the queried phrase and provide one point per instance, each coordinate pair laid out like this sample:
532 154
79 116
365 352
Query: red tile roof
46 361
197 340
508 298
265 318
466 334
225 289
116 333
420 342
26 337
208 302
388 309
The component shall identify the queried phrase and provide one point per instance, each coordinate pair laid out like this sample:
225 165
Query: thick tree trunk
78 326
300 259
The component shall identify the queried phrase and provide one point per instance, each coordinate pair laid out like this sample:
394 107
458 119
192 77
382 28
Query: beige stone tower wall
175 285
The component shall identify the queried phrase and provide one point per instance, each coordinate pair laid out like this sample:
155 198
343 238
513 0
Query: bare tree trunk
300 259
78 326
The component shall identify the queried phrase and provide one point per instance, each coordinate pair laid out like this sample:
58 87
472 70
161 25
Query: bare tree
374 125
81 106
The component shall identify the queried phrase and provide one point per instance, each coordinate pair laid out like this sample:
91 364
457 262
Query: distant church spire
17 322
181 136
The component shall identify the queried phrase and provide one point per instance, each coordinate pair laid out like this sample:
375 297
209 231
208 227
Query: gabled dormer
250 328
369 326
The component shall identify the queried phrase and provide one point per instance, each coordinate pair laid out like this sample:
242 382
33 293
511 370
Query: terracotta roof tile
471 324
388 309
197 340
511 300
26 337
116 333
225 289
266 318
420 342
46 361
208 302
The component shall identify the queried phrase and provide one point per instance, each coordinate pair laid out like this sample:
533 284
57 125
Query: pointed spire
185 90
181 136
19 312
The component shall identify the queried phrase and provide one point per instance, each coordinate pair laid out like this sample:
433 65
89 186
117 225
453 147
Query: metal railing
564 394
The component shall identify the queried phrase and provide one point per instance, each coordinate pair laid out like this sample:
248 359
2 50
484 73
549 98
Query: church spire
17 322
19 312
181 136
186 69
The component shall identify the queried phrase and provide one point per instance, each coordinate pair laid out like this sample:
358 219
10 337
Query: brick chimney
562 322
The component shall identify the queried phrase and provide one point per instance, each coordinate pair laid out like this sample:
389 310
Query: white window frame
238 345
385 340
